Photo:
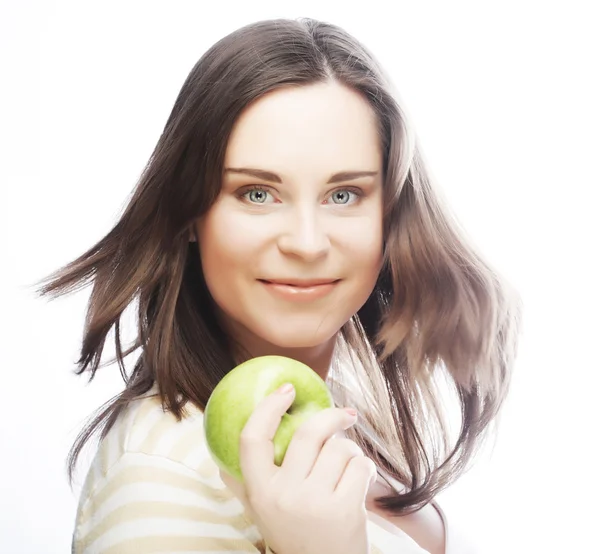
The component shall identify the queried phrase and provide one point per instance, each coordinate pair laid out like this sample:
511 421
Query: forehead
307 131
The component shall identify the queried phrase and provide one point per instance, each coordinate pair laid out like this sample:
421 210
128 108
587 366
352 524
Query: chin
293 337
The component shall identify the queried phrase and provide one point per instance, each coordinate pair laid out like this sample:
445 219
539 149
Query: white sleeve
149 503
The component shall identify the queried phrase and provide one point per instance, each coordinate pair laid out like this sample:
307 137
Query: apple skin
236 396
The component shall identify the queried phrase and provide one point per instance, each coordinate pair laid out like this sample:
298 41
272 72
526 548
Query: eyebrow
274 178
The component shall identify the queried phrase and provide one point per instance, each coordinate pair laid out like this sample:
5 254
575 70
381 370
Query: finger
257 453
331 463
356 480
309 438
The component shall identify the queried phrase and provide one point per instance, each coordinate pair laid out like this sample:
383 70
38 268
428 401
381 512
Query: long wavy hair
438 333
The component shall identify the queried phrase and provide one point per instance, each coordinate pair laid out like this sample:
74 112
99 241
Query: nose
304 236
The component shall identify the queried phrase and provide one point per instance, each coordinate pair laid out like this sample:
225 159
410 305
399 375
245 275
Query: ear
192 234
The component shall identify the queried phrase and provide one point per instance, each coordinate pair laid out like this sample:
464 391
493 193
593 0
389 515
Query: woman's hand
314 502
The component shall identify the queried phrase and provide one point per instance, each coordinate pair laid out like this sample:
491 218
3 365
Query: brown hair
440 318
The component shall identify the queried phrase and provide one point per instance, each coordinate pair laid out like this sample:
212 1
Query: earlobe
192 235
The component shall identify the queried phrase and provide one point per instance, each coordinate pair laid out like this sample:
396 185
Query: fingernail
285 389
350 411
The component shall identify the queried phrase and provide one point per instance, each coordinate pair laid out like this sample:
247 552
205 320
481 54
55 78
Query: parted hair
437 336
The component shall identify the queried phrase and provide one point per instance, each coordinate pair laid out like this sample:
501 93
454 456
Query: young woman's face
293 245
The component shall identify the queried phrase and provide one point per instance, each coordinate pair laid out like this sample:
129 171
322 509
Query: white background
504 97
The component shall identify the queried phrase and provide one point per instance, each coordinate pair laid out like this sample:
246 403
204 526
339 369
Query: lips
301 283
300 290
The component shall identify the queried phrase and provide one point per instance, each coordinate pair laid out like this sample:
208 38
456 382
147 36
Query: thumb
374 478
233 485
239 491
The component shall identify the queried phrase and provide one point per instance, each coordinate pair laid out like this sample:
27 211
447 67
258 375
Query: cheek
368 250
220 240
363 242
228 254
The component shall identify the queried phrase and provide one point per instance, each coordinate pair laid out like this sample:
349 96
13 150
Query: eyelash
358 192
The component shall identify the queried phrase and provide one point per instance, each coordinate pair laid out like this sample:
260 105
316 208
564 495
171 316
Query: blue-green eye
256 195
341 196
344 196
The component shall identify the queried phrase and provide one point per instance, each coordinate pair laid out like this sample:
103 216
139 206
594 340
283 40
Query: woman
286 209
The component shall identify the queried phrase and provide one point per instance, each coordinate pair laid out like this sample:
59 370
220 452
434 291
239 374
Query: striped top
153 487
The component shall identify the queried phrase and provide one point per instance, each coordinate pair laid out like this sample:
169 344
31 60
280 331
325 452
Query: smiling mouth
299 283
300 290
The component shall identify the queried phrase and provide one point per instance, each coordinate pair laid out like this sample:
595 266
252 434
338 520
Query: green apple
236 396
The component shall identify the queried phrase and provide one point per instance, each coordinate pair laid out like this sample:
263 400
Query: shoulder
153 482
146 502
145 427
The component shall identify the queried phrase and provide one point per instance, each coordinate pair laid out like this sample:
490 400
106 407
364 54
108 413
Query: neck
318 357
